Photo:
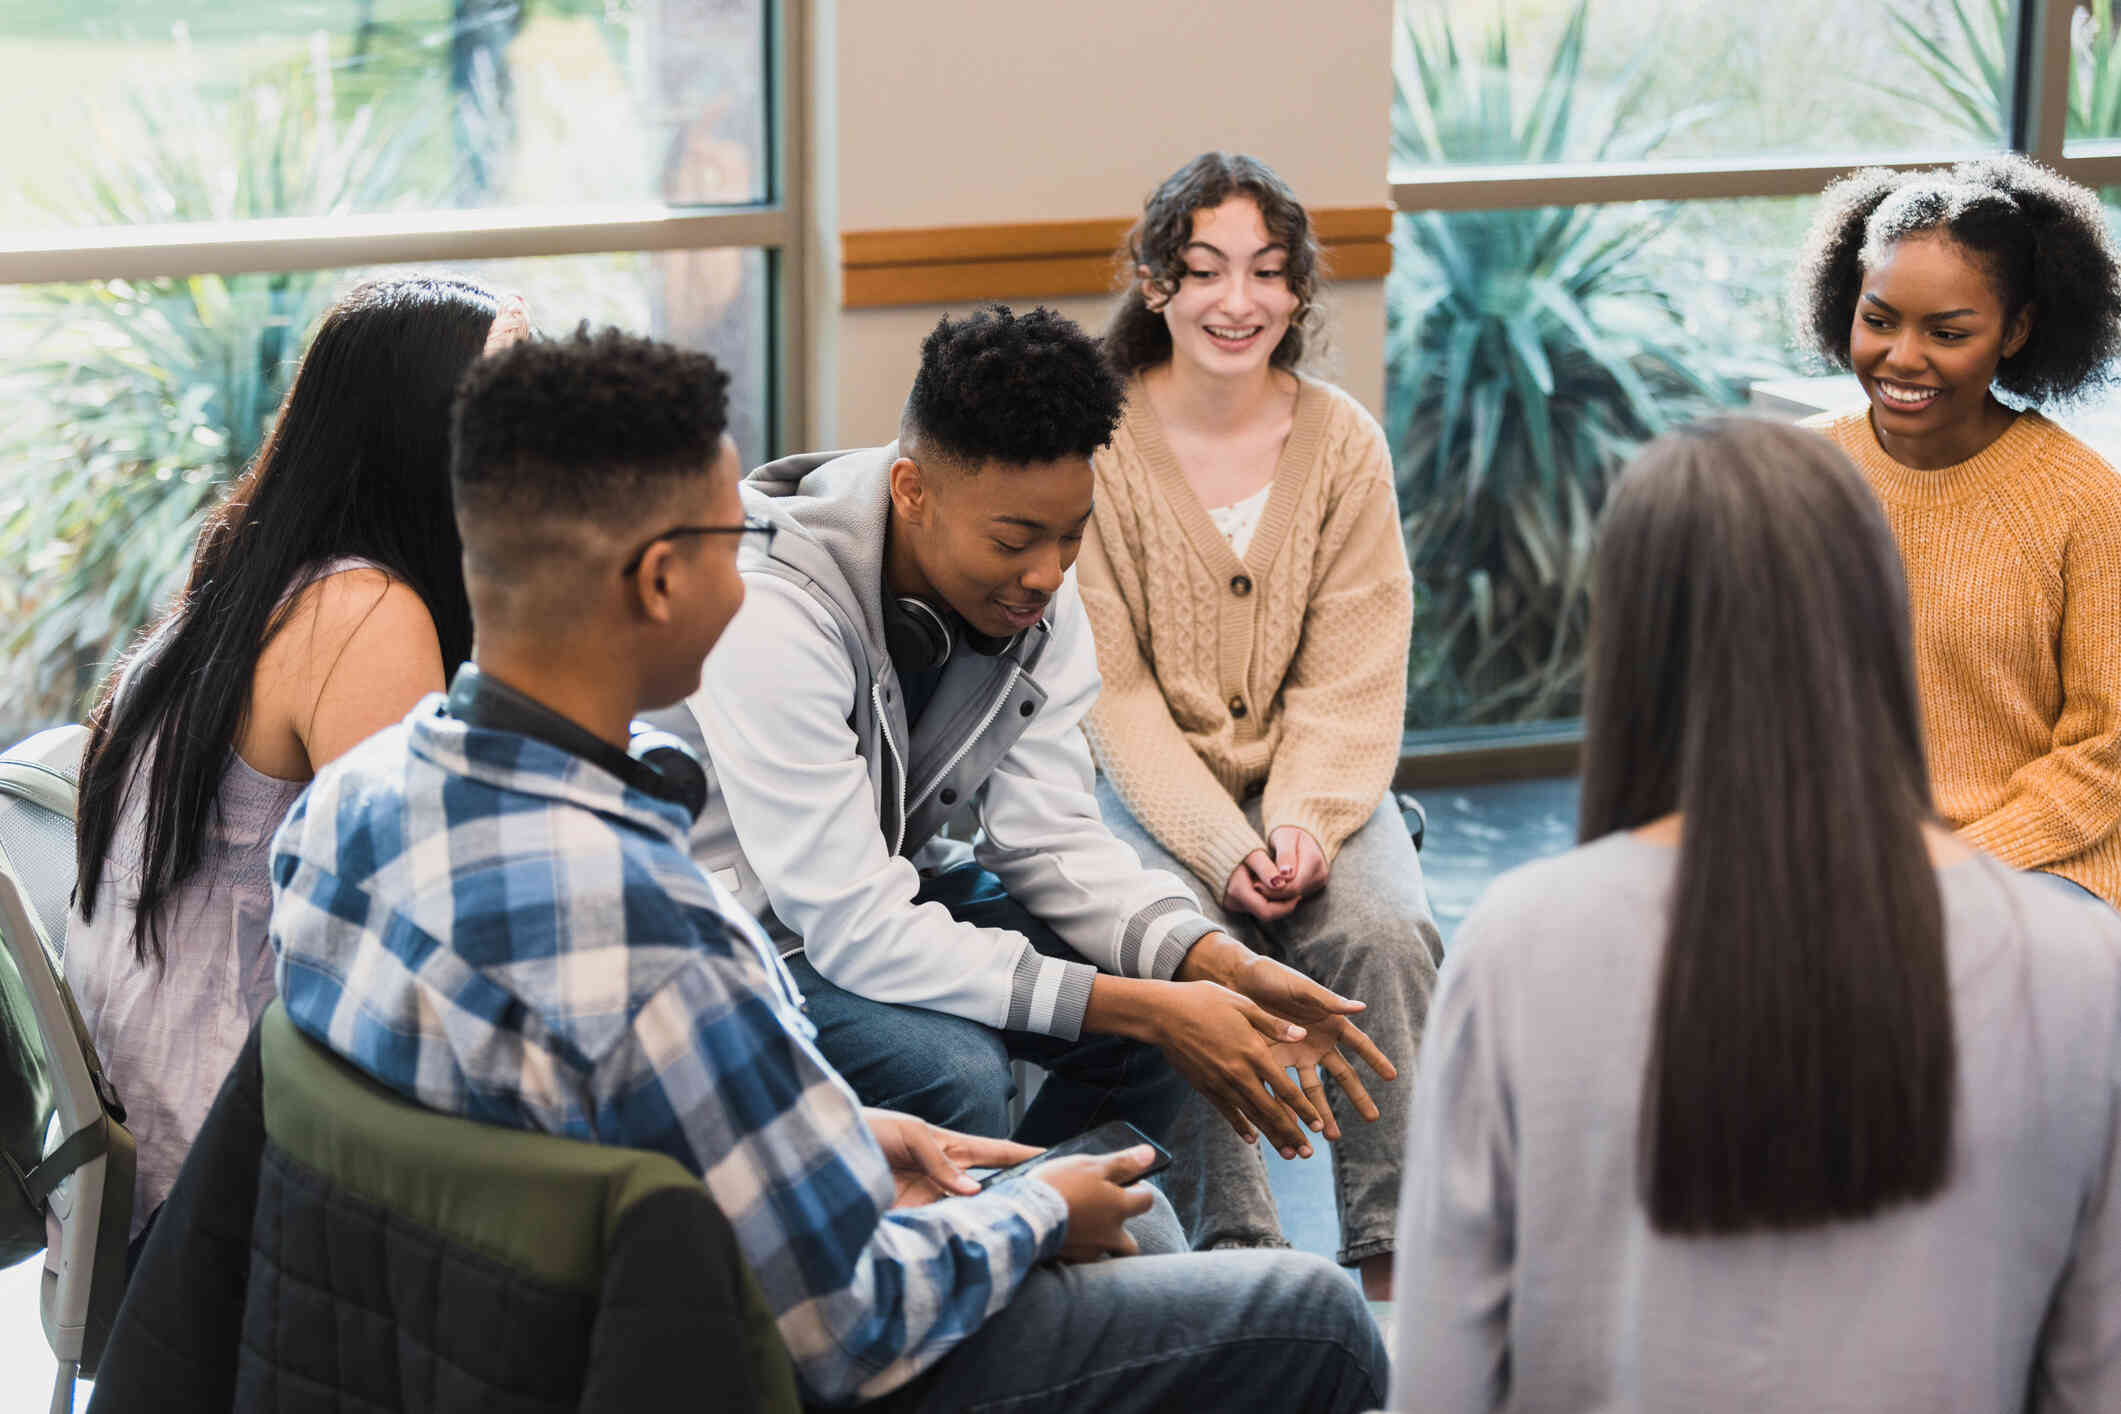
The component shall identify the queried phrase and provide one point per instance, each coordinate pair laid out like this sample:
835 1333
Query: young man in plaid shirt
490 908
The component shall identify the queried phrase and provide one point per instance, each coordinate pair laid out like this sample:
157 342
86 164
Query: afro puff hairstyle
2042 239
999 387
583 426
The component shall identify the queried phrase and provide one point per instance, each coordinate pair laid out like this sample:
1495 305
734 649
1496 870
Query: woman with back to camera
1773 1093
1247 581
1938 288
325 598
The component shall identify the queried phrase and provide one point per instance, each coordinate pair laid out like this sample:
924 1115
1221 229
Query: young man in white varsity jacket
913 648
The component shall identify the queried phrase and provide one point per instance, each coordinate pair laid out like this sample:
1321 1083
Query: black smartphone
1105 1139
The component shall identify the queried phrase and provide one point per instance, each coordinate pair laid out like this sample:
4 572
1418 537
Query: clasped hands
1269 888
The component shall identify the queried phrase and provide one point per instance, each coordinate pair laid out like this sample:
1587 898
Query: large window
128 111
190 185
1600 201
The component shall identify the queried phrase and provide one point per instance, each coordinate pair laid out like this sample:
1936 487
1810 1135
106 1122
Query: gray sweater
1529 1278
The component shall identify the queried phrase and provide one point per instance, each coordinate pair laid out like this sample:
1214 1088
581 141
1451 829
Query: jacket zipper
883 721
1016 670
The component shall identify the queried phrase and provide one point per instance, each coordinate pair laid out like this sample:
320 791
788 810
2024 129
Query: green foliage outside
1529 351
1965 69
138 401
145 398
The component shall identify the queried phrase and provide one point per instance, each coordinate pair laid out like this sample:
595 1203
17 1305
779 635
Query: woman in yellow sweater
1938 289
1247 582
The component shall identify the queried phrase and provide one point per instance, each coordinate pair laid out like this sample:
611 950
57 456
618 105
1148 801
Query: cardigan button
1240 585
1237 707
1025 709
949 797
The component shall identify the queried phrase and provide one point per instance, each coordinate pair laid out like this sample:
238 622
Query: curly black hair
2042 239
1015 389
584 425
1138 337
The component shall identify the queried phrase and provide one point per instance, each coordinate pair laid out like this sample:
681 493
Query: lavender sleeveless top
167 1035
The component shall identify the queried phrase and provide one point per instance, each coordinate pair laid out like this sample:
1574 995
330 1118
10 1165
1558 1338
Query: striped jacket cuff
1041 1207
1049 995
1156 938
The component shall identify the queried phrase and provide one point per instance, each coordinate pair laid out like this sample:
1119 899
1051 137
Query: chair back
545 1209
39 777
68 1160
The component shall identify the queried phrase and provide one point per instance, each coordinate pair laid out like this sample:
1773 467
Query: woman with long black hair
1773 1093
325 598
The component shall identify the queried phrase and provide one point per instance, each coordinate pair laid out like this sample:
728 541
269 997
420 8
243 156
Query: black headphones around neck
656 763
920 637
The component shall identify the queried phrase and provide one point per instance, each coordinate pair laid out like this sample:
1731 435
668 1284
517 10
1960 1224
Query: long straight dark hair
1751 669
357 464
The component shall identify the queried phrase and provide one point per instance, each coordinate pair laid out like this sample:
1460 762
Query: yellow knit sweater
2014 574
1283 672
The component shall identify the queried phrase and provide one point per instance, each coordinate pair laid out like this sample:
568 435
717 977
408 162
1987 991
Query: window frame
2036 126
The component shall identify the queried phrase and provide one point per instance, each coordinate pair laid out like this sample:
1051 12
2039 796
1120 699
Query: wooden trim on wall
956 264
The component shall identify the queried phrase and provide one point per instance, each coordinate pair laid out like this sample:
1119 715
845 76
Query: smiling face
1929 330
1233 302
993 544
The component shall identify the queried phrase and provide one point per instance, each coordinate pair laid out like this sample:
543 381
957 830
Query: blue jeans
2067 885
955 1072
1223 1331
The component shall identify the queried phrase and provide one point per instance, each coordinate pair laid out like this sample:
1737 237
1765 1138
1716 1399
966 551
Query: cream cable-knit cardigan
1282 672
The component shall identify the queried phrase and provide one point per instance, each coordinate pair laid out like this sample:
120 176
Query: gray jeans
1368 935
1227 1331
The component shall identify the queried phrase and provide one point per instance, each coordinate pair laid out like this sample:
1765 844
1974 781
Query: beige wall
970 112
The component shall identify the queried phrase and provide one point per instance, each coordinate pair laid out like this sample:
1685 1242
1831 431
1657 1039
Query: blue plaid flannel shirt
502 930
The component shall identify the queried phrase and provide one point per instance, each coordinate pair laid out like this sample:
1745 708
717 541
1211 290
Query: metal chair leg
1415 814
63 1387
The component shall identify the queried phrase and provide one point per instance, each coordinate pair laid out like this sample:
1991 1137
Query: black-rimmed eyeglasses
753 525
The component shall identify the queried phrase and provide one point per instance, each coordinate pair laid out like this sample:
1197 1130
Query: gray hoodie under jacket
823 807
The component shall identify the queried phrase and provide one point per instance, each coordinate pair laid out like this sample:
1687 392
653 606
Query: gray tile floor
1475 833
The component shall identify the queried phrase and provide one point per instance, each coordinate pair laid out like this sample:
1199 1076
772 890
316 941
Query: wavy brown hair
1138 338
1751 668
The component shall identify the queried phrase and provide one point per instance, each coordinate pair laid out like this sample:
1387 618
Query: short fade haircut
588 427
999 387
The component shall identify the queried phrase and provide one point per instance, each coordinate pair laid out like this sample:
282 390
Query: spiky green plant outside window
1966 68
1529 351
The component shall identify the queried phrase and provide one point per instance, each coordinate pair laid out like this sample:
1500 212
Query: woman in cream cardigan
1248 586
